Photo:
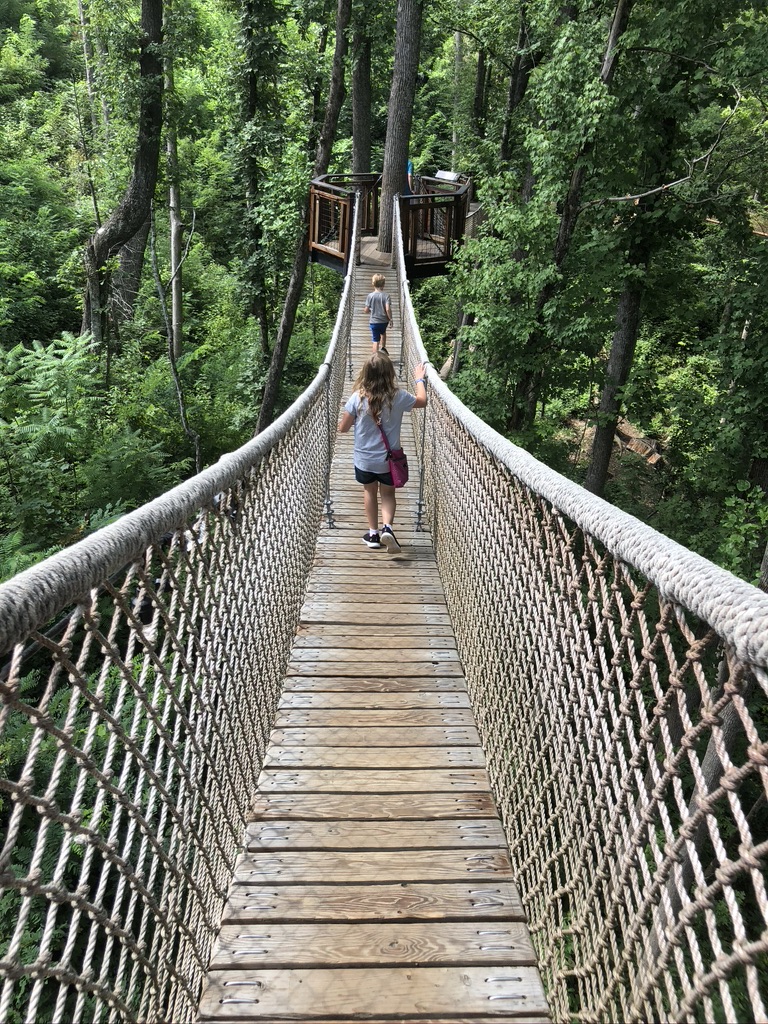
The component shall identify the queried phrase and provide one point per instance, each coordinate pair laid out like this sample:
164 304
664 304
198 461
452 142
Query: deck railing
434 219
332 200
143 672
432 224
619 683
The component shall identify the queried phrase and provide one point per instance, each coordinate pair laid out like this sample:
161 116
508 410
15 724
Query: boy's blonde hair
378 280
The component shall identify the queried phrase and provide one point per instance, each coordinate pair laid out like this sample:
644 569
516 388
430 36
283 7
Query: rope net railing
619 683
140 685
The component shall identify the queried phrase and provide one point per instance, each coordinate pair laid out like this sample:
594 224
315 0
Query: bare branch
674 55
193 436
187 245
692 165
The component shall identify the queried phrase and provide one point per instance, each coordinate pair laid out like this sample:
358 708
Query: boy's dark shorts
364 477
377 329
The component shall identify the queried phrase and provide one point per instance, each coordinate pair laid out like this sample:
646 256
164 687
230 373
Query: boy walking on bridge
378 306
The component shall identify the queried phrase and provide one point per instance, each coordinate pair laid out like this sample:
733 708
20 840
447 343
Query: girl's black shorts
364 477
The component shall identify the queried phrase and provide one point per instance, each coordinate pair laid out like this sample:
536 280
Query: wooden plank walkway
375 882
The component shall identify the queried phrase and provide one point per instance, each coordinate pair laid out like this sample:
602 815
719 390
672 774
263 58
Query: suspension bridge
253 771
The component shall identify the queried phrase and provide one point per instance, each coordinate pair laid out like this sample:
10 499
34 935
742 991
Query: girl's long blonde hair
376 382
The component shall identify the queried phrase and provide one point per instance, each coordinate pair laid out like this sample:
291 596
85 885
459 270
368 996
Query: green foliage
743 531
39 228
438 315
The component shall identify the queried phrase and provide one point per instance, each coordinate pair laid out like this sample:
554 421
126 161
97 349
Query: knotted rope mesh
619 684
141 681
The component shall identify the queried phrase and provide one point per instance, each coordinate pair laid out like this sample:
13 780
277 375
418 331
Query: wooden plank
395 657
307 684
526 1018
305 995
389 575
355 615
345 609
406 594
393 736
316 867
374 757
426 670
373 807
400 595
363 719
362 700
373 780
362 631
411 560
398 901
426 612
414 569
367 835
392 641
346 538
381 944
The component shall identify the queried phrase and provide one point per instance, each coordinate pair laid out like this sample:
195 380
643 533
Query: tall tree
361 99
527 390
400 112
176 228
325 141
262 53
132 212
518 82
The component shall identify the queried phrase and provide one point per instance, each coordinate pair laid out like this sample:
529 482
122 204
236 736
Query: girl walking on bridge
378 402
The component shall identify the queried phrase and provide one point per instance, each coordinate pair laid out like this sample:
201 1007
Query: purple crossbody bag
398 462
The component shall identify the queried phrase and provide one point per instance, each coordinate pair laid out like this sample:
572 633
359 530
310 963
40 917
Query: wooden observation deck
375 882
433 219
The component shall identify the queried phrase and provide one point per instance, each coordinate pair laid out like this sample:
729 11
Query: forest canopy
608 313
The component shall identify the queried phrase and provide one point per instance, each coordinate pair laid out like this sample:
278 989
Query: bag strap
384 439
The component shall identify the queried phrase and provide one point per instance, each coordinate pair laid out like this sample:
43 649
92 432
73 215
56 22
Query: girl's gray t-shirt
370 454
377 303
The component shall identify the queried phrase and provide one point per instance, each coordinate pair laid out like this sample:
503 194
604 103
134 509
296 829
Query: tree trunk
317 94
174 214
127 277
299 271
361 102
763 581
134 207
399 113
478 103
570 208
88 62
643 238
758 474
261 51
620 361
191 434
458 60
518 83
